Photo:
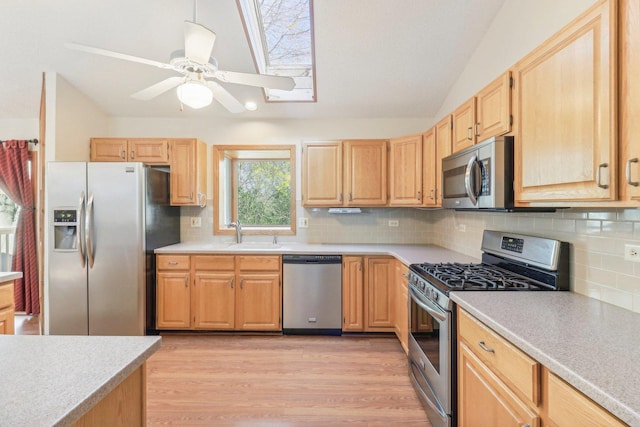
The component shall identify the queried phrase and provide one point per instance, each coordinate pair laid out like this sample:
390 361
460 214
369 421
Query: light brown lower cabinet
401 321
499 385
224 292
7 309
368 287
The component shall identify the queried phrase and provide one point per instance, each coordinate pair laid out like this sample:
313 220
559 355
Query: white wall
19 129
517 29
77 118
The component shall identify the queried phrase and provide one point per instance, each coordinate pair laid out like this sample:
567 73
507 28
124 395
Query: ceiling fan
198 71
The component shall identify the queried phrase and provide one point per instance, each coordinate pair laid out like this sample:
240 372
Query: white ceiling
374 58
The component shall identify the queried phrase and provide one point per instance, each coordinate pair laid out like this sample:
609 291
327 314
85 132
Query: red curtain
16 183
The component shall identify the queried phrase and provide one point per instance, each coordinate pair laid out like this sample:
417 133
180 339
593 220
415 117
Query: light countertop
592 345
7 276
408 254
54 380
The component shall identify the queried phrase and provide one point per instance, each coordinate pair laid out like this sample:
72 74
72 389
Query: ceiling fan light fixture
251 106
194 95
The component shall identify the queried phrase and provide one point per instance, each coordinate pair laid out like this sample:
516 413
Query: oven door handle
427 306
470 187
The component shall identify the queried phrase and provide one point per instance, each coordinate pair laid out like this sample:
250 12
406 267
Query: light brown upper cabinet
429 184
485 115
629 99
564 112
344 173
405 171
464 118
146 150
443 149
188 172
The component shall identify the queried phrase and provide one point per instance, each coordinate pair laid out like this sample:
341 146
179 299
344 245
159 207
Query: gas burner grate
456 276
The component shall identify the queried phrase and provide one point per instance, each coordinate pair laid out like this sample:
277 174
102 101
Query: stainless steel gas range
510 262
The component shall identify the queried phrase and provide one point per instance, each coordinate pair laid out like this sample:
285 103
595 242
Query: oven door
430 357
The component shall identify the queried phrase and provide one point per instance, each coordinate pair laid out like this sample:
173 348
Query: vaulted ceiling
374 58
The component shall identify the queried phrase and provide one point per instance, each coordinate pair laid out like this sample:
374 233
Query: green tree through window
264 192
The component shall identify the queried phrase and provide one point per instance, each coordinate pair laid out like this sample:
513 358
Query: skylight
280 33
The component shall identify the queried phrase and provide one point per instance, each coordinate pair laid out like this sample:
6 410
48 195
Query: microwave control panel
485 170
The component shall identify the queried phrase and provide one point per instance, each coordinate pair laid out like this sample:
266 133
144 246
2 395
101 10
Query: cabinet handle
191 196
350 197
485 348
469 129
186 281
123 155
628 172
418 194
360 266
406 276
232 283
432 193
477 126
173 263
598 175
133 154
340 198
241 282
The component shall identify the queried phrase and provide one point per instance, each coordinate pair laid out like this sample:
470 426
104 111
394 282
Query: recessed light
251 106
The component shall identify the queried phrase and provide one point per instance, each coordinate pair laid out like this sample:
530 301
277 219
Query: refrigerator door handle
89 230
80 235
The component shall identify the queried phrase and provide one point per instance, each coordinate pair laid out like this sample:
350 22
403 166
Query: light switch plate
632 253
303 222
394 223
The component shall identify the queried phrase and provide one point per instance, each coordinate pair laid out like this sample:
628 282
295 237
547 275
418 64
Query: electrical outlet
394 223
303 222
196 222
462 228
632 253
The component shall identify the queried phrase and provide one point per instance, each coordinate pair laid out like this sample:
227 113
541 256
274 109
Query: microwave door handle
468 185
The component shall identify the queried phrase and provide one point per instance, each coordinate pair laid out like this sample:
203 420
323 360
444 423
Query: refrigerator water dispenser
65 229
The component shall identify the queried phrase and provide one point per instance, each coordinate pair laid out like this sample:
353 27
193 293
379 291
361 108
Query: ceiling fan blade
158 88
198 42
227 100
104 52
260 80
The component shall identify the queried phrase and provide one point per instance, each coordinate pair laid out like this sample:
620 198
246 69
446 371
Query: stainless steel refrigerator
104 221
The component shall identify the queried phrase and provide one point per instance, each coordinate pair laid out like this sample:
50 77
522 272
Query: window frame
218 156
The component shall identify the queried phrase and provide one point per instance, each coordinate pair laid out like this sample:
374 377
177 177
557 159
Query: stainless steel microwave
480 177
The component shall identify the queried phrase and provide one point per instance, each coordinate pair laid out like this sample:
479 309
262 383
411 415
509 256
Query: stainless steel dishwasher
312 294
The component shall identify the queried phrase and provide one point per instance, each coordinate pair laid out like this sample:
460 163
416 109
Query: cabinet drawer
512 365
6 295
567 406
173 262
214 262
259 262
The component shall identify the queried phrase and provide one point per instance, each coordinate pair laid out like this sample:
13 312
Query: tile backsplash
598 237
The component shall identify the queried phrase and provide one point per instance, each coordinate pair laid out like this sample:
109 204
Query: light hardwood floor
280 381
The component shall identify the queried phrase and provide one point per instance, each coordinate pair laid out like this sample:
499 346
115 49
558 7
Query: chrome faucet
238 228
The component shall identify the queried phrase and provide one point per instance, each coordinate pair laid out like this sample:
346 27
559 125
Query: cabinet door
173 300
213 300
365 171
443 149
567 406
108 150
379 294
464 120
152 151
7 321
322 174
352 293
188 172
429 183
402 304
258 302
565 113
483 400
405 171
493 108
629 99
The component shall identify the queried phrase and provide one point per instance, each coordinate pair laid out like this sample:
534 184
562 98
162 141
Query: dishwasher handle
311 259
